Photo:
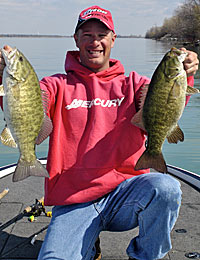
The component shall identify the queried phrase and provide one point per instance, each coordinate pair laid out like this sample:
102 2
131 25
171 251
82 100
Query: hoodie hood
72 64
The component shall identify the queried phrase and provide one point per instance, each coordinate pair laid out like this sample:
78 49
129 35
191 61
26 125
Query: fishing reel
36 210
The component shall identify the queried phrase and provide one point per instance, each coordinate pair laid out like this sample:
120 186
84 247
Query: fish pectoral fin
176 135
45 130
2 93
7 138
16 91
137 120
190 91
176 90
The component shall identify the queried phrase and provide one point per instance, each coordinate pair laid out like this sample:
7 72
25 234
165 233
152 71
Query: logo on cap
95 12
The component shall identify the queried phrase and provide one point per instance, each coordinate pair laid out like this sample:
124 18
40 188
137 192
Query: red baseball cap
95 12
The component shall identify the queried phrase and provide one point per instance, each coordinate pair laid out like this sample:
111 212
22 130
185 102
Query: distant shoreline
32 36
55 36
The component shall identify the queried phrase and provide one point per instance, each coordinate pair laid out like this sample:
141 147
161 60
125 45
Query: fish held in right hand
24 111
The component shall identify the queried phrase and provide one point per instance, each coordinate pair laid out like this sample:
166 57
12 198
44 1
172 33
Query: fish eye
20 58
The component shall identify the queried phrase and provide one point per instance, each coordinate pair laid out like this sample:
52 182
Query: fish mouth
8 55
181 54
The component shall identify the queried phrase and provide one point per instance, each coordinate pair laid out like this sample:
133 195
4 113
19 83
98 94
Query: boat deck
22 239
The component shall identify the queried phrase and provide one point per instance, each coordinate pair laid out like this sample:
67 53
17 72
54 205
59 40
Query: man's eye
87 35
102 35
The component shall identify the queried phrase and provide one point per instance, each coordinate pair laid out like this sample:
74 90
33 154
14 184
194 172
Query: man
93 149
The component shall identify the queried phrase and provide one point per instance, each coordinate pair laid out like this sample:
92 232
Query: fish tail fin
24 170
147 160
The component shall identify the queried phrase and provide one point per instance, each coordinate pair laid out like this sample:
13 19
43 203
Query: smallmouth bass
162 106
24 110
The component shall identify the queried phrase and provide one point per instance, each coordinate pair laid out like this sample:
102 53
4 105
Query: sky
60 16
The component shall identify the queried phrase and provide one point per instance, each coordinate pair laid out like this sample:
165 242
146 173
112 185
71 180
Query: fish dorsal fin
176 135
2 93
47 125
190 91
143 94
45 100
137 119
7 138
45 130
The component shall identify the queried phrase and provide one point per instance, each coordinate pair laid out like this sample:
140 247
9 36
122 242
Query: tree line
183 26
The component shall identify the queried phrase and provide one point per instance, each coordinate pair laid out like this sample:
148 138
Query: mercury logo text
76 103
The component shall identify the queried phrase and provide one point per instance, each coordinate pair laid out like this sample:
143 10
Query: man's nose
95 39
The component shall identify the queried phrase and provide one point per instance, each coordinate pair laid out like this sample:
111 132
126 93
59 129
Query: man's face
95 41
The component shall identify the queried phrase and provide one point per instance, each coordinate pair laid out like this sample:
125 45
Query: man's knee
166 188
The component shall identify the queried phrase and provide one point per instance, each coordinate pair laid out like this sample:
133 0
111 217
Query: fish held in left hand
162 105
24 110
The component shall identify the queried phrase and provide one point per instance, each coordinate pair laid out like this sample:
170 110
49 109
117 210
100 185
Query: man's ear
114 36
76 39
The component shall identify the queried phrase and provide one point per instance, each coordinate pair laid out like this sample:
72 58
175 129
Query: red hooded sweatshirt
93 146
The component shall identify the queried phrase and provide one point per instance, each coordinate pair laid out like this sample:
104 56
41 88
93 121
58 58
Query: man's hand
191 62
2 62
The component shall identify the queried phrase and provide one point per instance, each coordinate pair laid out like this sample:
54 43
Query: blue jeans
150 201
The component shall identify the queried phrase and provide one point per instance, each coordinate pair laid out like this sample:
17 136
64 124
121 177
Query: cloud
60 16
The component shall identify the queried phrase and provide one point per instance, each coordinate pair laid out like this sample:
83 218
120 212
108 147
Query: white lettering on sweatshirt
95 102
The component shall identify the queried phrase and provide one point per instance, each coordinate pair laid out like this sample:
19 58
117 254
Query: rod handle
29 208
3 193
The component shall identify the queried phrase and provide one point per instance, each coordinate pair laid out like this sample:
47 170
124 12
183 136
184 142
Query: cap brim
79 24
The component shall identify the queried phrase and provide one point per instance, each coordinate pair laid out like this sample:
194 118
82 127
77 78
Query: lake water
47 56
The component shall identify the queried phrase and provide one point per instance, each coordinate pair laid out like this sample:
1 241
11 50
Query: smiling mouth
95 53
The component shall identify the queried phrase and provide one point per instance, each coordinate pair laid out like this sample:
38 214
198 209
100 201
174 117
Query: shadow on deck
16 235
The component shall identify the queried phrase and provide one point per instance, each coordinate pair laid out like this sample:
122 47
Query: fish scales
24 113
160 117
163 106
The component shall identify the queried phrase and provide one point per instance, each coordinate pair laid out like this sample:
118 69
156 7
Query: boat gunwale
186 176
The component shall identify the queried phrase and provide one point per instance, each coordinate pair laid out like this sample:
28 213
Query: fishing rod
32 211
